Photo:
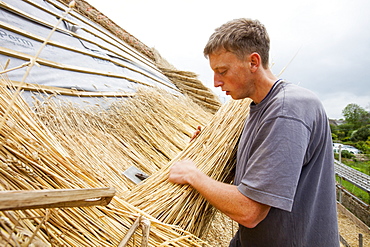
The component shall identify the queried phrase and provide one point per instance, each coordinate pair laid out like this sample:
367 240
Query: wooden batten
66 91
56 198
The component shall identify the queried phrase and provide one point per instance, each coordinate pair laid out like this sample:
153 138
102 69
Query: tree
356 116
362 134
347 154
345 130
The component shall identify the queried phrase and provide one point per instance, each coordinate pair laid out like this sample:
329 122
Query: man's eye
223 72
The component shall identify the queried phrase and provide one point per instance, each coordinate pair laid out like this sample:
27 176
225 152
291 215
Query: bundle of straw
214 152
60 147
39 154
146 131
92 226
191 86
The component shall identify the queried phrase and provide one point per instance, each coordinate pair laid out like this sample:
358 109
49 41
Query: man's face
232 74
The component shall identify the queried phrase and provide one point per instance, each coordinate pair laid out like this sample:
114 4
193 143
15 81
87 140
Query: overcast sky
330 38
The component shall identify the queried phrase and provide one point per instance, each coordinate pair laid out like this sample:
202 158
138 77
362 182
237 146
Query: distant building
336 122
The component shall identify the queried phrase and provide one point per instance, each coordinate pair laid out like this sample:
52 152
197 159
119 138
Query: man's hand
182 172
196 133
225 197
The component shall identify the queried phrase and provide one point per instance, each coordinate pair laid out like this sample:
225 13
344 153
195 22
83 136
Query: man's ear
255 61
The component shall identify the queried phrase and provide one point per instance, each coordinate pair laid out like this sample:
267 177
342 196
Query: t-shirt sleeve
273 170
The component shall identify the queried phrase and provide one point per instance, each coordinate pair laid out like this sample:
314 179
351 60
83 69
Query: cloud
334 103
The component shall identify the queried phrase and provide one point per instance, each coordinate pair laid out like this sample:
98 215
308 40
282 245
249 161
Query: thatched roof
55 144
87 56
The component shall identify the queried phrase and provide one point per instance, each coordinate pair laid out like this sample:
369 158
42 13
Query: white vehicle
349 148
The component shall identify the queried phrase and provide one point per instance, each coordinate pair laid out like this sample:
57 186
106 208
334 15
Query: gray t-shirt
285 160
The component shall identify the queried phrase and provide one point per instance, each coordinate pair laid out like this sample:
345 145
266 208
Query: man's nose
217 82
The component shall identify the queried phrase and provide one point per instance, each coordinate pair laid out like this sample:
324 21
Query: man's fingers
196 133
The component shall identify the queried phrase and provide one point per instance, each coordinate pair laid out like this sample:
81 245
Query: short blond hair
242 37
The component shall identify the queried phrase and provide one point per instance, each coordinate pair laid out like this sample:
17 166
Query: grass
362 166
364 196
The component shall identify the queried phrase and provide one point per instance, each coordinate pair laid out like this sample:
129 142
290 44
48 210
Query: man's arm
225 197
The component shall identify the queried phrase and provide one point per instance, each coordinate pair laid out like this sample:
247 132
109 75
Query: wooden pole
56 198
130 232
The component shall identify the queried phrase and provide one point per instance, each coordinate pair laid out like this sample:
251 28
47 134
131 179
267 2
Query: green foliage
333 128
346 129
362 134
364 146
356 115
361 164
337 131
348 155
363 167
334 136
355 131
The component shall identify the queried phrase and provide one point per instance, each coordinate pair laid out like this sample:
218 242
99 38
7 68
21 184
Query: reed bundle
92 226
147 131
66 147
214 153
190 85
28 149
56 147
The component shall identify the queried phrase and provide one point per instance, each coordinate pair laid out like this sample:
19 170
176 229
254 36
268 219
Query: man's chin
234 97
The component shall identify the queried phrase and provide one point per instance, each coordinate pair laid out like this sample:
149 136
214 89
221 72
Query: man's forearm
225 197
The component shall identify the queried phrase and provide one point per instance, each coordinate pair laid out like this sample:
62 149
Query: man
284 186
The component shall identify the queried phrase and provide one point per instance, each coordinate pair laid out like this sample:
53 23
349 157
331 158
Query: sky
322 45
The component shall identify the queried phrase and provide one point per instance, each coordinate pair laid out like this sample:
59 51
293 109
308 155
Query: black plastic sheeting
131 64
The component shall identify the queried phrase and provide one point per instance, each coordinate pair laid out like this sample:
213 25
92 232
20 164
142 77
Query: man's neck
264 85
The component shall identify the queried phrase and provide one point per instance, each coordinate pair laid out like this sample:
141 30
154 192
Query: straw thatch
67 147
189 84
146 131
63 147
58 145
214 153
